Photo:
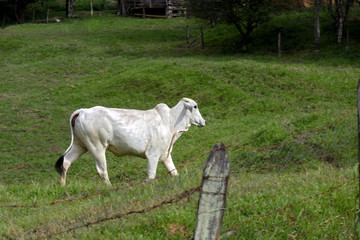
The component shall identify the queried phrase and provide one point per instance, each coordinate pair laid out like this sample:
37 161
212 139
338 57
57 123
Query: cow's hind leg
100 161
64 162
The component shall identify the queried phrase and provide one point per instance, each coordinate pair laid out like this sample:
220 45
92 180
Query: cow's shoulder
97 111
163 110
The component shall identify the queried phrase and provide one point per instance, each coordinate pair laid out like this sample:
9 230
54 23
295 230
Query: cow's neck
180 122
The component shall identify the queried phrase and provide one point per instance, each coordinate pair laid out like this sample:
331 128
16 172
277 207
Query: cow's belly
139 142
128 144
123 151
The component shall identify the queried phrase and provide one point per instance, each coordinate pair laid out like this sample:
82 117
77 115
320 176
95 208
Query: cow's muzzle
202 124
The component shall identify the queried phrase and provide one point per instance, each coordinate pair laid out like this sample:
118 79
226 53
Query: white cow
148 134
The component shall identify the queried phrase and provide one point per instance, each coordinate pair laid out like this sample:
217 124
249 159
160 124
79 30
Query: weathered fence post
279 43
202 38
317 24
187 35
47 15
91 8
143 11
167 14
213 195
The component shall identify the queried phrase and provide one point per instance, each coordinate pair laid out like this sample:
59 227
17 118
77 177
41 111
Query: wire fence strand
325 223
172 200
284 208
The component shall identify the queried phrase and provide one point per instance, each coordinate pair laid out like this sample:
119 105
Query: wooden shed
152 8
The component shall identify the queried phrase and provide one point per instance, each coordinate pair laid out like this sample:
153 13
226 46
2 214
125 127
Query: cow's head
193 112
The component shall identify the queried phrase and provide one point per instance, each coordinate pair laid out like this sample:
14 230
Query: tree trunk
4 20
118 8
91 8
338 10
20 13
70 8
340 30
123 10
33 15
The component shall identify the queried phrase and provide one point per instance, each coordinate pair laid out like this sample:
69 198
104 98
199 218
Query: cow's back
123 131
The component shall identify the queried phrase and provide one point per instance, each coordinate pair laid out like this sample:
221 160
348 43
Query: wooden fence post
213 195
47 15
279 43
187 35
202 38
167 14
91 8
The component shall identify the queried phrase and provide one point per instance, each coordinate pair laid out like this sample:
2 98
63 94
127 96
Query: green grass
49 70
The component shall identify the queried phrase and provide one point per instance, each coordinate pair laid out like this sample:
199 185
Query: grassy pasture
49 70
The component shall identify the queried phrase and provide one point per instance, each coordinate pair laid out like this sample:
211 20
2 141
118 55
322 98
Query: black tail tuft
59 165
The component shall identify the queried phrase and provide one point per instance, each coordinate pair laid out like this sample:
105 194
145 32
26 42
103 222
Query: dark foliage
246 15
14 9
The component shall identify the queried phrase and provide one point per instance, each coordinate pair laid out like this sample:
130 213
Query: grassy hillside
49 70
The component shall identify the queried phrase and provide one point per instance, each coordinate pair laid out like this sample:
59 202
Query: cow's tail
59 165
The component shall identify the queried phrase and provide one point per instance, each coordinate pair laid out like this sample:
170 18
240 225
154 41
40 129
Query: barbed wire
79 213
284 208
325 223
304 149
174 199
294 163
108 190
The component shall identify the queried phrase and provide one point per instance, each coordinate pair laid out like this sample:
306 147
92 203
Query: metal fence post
213 195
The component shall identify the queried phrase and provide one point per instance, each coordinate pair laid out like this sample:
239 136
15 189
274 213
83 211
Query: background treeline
232 24
21 11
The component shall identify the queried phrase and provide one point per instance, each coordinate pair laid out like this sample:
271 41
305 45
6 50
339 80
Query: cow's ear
187 104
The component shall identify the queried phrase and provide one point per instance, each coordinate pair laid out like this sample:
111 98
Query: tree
245 15
18 8
4 9
70 8
339 10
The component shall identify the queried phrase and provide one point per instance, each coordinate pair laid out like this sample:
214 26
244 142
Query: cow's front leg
169 164
152 166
